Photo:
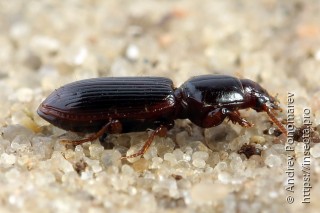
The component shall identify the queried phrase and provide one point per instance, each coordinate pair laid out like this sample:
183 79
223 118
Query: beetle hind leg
113 126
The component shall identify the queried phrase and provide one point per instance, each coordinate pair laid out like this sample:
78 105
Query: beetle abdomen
110 98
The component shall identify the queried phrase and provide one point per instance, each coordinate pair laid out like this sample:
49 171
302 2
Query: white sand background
46 44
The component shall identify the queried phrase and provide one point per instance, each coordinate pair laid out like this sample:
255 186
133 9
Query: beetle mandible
128 104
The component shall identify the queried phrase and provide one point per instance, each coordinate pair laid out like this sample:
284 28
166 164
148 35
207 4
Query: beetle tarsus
160 131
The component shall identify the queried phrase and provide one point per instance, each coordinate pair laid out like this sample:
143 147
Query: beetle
131 104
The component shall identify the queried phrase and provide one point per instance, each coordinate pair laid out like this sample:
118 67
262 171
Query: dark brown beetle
127 104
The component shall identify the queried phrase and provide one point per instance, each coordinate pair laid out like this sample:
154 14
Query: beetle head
257 97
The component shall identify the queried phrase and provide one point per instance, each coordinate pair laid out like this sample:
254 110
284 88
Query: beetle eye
261 101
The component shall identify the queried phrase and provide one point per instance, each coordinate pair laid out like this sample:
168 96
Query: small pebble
7 159
110 158
44 44
221 166
132 52
127 170
224 177
95 150
257 139
273 160
80 56
206 193
140 165
178 154
164 145
170 158
200 155
199 163
315 150
156 162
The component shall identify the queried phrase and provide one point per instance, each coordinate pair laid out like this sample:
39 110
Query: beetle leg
216 116
213 118
103 137
235 117
160 131
113 126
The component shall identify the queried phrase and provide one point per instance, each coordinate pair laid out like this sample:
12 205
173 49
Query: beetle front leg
113 126
235 117
216 116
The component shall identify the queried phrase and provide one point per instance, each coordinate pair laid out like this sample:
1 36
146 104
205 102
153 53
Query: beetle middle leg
161 131
113 126
216 117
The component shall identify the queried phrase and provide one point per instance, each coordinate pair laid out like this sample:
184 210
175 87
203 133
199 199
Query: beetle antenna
275 120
